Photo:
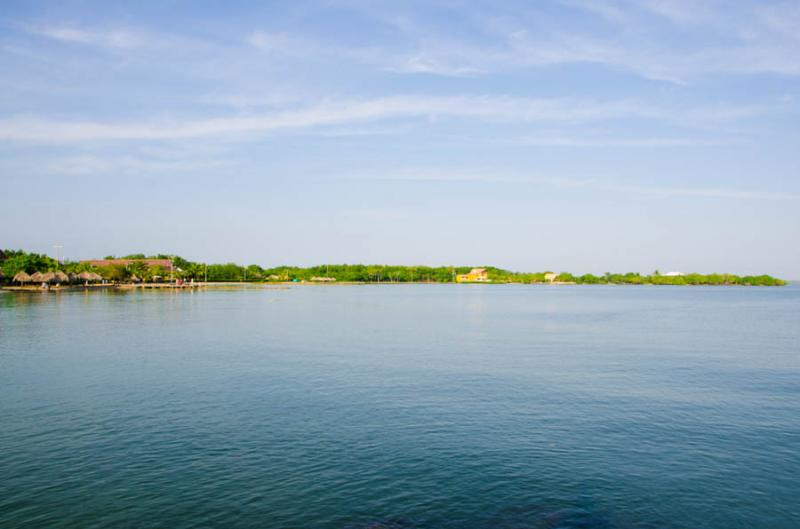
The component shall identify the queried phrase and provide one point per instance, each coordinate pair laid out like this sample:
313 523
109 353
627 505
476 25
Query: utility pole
57 247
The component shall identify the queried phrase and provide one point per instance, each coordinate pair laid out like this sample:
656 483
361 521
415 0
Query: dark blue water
419 407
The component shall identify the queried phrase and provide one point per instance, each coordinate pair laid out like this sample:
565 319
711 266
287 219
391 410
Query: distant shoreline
284 285
20 268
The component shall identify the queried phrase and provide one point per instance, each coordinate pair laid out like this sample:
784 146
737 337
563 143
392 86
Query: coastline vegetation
13 262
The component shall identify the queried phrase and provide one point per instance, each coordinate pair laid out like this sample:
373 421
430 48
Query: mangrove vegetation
166 267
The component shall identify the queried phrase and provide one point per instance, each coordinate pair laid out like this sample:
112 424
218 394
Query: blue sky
587 136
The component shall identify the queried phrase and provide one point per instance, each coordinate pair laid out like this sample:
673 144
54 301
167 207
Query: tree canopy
15 261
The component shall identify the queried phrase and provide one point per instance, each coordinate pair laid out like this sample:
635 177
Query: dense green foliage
16 261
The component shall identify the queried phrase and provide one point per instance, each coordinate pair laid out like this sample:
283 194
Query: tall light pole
57 247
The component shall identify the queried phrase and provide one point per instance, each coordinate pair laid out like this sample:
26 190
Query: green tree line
14 261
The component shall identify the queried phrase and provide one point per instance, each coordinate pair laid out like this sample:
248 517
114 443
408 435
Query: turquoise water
402 407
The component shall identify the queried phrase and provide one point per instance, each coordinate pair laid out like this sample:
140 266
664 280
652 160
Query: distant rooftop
166 263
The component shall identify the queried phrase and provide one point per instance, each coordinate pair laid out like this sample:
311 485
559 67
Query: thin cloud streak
750 40
740 194
501 177
92 165
101 38
569 141
489 108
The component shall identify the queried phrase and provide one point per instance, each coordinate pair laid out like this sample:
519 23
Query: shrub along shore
15 262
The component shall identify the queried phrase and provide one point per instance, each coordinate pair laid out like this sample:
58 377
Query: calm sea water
402 407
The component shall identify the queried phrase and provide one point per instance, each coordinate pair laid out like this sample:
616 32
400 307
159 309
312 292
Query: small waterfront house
476 275
550 277
674 274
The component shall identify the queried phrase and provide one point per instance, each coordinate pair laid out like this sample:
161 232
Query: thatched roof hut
61 277
89 276
22 277
73 277
37 277
49 277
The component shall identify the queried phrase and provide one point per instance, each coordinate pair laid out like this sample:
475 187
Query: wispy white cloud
504 176
682 12
90 164
444 174
283 44
611 11
611 141
424 62
747 38
344 132
486 108
741 194
782 19
631 12
102 38
510 49
734 38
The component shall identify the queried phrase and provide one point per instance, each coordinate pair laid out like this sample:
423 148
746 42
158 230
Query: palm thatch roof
43 277
89 276
61 277
73 277
22 277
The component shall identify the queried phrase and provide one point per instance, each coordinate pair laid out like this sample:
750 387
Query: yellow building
476 275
